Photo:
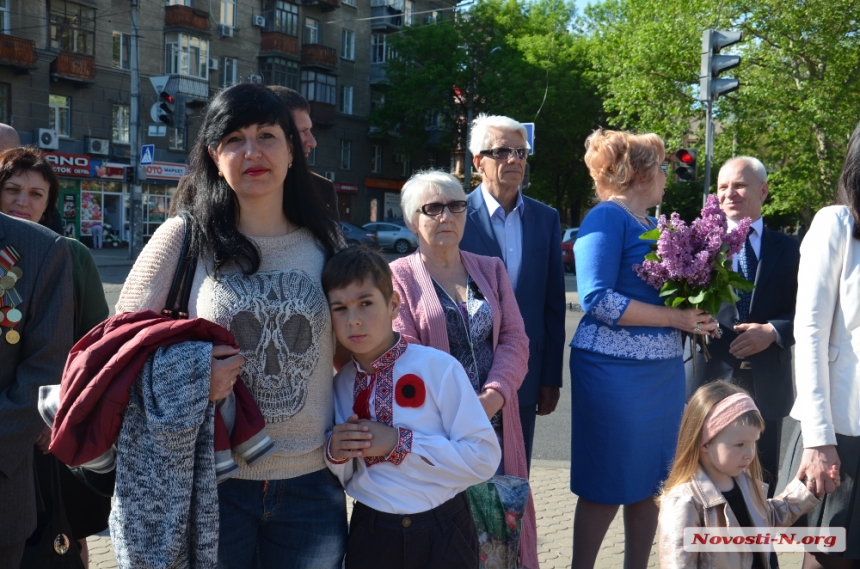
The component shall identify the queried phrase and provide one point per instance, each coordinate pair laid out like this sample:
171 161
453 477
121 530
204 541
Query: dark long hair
213 204
848 190
30 159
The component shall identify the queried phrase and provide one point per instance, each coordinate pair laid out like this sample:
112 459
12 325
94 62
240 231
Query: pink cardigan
422 321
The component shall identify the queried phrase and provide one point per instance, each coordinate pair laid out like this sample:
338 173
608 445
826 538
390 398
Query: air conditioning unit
329 175
97 146
48 139
213 63
225 31
259 21
398 159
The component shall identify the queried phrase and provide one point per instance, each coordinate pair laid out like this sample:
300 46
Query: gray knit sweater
165 512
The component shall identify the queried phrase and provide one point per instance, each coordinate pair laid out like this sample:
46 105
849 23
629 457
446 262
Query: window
347 48
228 13
349 2
406 170
312 157
319 87
176 138
5 103
312 31
60 114
328 175
280 71
380 51
377 99
346 100
186 55
229 72
4 16
119 129
73 27
121 46
431 163
408 10
179 2
286 18
376 160
345 154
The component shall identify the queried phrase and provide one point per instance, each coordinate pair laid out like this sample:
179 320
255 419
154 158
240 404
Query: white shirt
509 233
446 444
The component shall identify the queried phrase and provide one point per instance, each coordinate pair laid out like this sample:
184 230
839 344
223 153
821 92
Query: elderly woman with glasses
464 304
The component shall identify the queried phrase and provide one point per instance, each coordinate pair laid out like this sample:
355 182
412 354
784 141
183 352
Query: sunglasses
504 152
664 167
435 208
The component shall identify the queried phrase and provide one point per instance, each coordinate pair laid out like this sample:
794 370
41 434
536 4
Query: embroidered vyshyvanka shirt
446 442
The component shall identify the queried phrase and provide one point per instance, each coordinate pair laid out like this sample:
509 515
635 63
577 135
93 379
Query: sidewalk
112 257
554 504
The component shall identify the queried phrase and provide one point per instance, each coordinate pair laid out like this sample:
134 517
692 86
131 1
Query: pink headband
724 413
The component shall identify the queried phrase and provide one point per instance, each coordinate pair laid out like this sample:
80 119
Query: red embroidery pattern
383 404
403 448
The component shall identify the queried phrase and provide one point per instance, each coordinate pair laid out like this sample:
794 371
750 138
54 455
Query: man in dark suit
526 235
300 110
755 347
33 350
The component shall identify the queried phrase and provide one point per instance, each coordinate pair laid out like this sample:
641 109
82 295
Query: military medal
10 298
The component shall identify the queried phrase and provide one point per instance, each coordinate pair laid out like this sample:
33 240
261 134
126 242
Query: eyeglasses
435 208
664 167
505 152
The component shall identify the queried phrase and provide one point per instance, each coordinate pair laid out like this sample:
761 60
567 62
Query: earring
220 174
290 165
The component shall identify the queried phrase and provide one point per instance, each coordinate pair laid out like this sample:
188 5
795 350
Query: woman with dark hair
28 190
827 366
261 239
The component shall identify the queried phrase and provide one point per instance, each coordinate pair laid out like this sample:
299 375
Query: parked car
355 235
393 236
568 238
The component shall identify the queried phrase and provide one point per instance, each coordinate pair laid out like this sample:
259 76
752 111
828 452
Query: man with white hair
526 235
8 137
755 348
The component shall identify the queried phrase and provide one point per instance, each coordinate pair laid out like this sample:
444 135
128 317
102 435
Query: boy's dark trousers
442 537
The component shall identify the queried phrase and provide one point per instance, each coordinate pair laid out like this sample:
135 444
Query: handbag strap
182 278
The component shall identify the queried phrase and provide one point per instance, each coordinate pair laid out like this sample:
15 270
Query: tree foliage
508 57
799 98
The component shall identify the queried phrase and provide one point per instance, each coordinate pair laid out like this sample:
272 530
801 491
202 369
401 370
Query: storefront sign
384 184
165 171
74 165
343 188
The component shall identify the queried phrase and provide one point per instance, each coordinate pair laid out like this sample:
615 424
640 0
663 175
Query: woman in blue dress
626 368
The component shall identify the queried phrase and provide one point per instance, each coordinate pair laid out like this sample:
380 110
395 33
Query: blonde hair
686 461
620 161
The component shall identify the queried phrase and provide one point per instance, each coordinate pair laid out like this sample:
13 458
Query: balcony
17 52
377 73
195 89
186 17
323 5
322 114
385 19
74 67
314 54
278 43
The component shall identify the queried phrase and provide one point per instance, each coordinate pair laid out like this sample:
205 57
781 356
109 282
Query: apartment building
65 85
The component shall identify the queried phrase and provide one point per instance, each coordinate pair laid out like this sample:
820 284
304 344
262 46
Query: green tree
798 99
507 57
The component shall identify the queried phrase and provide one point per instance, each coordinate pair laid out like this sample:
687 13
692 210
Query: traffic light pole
135 224
709 149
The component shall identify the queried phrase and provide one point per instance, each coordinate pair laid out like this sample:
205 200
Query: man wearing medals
35 337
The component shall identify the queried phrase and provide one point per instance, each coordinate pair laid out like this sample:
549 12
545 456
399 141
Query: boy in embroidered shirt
410 435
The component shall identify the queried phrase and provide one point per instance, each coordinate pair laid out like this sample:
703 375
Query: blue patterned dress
627 381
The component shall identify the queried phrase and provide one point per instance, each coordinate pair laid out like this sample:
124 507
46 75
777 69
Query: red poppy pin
410 391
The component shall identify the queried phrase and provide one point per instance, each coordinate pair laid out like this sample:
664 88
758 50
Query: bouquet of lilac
691 265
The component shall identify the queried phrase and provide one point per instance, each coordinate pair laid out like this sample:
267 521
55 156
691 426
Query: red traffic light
685 156
166 97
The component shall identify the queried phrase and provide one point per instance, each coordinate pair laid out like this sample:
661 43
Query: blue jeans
298 523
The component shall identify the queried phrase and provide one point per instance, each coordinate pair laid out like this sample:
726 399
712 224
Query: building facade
65 85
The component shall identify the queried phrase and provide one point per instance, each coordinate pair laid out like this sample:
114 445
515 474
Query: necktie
748 264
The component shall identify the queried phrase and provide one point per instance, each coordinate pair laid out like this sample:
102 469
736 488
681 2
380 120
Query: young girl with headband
716 481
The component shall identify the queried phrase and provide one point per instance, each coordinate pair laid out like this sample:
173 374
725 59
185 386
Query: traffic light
712 64
129 175
686 170
166 108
